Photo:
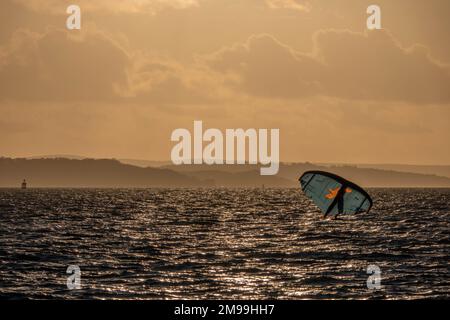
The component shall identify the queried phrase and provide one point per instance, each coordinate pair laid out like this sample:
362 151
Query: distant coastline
111 173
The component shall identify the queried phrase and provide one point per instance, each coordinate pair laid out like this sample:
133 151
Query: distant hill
87 173
58 156
373 177
289 173
145 163
108 173
442 170
438 170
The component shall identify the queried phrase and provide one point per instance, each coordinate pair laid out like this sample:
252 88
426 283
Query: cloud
374 66
165 81
265 67
94 66
342 64
140 6
289 4
107 6
58 65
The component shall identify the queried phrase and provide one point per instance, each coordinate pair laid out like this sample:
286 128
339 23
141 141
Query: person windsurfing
339 201
343 197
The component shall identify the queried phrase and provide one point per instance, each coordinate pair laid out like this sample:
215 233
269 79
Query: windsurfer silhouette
339 201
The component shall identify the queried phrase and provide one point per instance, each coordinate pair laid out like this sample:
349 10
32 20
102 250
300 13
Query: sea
220 244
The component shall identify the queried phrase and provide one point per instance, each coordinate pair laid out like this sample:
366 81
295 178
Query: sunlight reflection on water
220 243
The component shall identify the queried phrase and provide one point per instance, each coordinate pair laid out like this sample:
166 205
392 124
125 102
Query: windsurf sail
333 194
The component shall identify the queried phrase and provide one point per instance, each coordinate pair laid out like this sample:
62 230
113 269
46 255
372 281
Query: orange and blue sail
333 194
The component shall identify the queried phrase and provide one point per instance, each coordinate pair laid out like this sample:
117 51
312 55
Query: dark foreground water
220 243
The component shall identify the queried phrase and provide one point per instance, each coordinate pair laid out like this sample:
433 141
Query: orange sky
139 69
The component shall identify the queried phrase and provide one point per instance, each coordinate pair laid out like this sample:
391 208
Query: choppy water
220 243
